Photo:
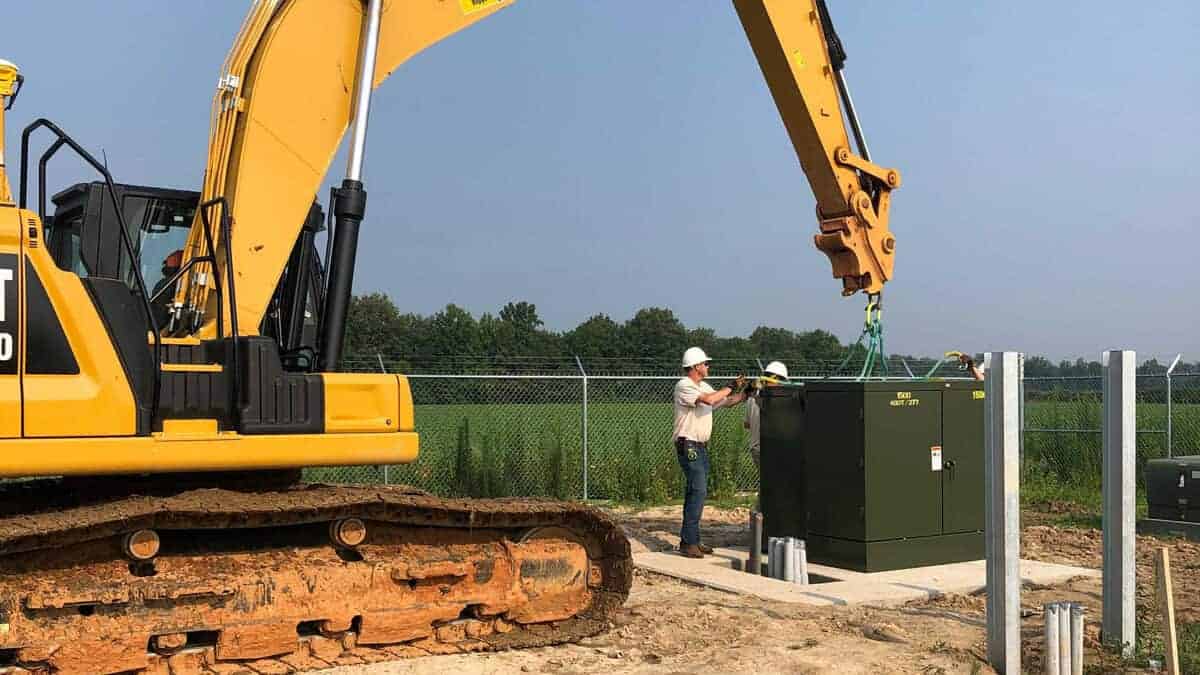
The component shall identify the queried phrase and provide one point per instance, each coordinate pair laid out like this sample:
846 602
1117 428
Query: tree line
652 339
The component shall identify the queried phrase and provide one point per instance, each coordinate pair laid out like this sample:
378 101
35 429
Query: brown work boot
690 551
706 550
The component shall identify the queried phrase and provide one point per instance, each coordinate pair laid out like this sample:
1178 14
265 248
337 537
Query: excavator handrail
233 320
64 138
192 262
46 156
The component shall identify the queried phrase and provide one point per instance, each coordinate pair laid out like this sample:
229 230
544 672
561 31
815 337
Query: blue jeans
695 472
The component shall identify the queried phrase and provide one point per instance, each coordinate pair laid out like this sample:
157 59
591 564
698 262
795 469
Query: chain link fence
563 436
607 436
1063 419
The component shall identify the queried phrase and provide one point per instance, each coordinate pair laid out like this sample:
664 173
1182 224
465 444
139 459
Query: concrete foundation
834 586
1169 528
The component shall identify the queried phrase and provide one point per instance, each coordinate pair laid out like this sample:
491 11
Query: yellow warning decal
977 395
471 6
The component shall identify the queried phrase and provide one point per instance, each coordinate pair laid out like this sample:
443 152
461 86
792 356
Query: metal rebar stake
754 563
1002 535
1120 447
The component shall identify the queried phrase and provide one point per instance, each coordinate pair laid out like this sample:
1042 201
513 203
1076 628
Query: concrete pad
722 571
1169 528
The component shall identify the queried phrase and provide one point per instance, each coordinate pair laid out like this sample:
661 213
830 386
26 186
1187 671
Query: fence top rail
428 376
801 379
1057 378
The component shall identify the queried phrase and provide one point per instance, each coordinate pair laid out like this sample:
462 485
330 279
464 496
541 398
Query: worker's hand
738 385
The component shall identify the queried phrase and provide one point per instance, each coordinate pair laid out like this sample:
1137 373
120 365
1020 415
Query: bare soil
669 626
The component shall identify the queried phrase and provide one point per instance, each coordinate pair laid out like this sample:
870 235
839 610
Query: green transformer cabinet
876 475
1173 497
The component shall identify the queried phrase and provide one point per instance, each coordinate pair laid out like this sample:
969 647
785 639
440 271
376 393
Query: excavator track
286 578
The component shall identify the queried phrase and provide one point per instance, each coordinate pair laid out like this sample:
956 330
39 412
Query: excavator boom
283 103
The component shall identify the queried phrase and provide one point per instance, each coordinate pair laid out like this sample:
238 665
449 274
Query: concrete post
1002 533
1120 455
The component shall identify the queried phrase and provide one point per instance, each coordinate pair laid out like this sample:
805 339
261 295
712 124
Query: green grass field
483 450
536 449
1075 458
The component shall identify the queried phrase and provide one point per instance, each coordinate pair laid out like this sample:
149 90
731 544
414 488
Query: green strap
875 357
935 367
875 354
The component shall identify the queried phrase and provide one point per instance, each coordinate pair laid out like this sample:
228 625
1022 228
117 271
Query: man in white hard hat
774 374
694 401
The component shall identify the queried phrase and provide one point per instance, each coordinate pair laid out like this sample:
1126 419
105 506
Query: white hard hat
694 356
777 369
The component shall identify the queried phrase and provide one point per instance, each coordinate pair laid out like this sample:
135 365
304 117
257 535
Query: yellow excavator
154 418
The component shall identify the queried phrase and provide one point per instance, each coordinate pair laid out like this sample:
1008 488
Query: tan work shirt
693 419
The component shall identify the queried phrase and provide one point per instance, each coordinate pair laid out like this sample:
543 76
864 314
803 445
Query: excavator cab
81 235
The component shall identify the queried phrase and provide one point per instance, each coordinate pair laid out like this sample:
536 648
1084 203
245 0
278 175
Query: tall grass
536 449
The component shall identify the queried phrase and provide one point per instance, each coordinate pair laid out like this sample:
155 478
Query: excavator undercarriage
197 579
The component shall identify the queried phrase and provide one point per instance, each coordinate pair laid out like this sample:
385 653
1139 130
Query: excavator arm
287 94
801 58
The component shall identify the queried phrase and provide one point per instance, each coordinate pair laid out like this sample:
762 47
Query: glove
738 385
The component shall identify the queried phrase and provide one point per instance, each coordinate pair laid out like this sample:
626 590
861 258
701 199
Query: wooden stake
1166 601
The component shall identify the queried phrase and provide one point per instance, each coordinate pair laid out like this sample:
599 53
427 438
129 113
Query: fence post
583 374
1021 415
1170 443
386 478
1120 464
1002 503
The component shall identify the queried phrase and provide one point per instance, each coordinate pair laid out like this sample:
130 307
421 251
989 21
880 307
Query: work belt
690 447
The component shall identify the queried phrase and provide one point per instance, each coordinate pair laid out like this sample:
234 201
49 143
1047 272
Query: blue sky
603 156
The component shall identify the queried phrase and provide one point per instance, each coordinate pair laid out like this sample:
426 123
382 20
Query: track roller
347 532
141 545
169 643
